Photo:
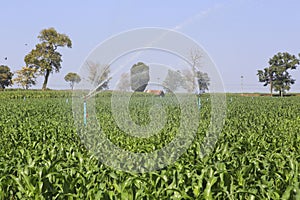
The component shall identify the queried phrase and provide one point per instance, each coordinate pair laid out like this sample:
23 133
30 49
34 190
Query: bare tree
195 59
99 75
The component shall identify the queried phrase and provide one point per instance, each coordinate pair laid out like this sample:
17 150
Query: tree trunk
281 92
46 79
271 88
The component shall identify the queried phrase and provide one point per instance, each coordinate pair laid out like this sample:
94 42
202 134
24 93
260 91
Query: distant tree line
188 80
45 59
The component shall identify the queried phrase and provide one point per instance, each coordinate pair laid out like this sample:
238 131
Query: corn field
257 155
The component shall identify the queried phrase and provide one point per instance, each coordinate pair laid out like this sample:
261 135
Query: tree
72 78
139 77
267 76
188 80
195 59
5 76
203 81
277 74
124 82
99 75
26 77
45 58
173 81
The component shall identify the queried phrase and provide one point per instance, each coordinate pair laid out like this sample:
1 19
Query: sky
239 35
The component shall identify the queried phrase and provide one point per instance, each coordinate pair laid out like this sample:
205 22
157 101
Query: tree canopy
139 77
203 81
45 58
5 76
173 81
72 78
185 79
277 75
26 77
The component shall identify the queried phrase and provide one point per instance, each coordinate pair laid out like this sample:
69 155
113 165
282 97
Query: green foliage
45 58
72 78
267 76
203 81
256 156
277 74
5 76
192 78
139 77
26 77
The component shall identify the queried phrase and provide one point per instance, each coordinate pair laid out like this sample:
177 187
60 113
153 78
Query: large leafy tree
45 58
26 77
277 75
72 78
5 76
139 77
267 77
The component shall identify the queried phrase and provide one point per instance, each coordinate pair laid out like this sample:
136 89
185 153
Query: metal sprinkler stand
199 102
84 111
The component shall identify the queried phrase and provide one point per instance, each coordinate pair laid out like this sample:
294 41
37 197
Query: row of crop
23 94
255 157
20 94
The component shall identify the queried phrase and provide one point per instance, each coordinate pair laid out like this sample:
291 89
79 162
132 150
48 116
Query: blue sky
239 35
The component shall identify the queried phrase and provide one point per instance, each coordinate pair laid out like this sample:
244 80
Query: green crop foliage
42 157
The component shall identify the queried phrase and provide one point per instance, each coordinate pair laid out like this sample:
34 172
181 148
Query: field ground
42 157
